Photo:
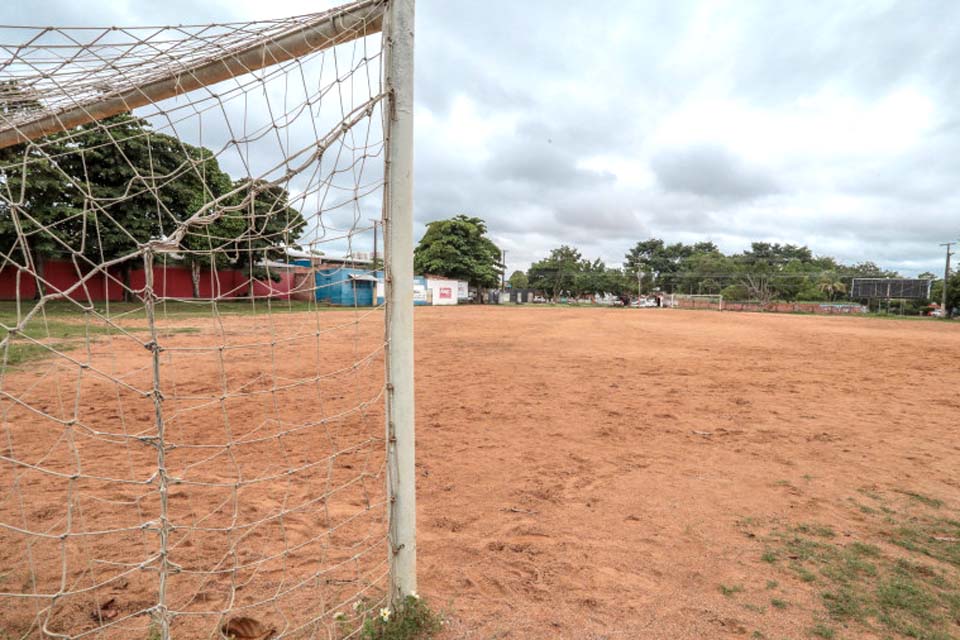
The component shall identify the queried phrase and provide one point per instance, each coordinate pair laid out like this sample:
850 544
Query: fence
828 308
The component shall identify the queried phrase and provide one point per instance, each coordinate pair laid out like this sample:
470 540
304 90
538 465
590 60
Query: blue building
347 287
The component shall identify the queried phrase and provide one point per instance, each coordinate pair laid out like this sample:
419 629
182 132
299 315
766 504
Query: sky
598 124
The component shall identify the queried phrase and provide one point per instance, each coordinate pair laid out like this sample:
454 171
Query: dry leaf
107 611
242 628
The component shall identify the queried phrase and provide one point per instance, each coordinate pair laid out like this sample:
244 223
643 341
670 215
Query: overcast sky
834 124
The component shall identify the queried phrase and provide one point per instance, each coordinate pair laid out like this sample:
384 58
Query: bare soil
582 473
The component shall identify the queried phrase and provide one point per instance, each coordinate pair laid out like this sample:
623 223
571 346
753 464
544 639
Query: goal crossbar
326 30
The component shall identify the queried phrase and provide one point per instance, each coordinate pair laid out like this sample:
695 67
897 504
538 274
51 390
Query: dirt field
601 473
583 473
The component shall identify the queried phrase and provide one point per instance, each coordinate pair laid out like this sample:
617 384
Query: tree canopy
459 248
565 272
104 189
764 272
518 280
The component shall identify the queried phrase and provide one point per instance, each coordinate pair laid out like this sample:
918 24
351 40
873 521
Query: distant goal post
713 302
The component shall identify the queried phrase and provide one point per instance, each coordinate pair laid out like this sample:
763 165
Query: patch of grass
20 352
911 593
938 539
843 604
411 620
729 591
803 573
927 501
870 493
819 530
754 608
772 584
777 603
769 556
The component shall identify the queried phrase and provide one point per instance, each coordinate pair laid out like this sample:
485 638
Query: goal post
695 301
398 248
195 438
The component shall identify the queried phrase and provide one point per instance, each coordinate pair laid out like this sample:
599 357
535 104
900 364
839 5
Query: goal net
695 301
197 434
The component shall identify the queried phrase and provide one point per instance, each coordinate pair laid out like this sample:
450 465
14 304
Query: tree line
101 191
459 248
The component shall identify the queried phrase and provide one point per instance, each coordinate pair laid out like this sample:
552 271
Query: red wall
172 281
776 307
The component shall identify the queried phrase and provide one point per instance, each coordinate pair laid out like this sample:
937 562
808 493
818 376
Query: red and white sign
446 293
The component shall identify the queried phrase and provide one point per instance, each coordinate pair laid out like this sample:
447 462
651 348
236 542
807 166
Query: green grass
62 326
821 531
906 587
411 620
936 503
729 591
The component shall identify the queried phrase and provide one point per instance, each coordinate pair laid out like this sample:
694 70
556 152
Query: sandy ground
583 473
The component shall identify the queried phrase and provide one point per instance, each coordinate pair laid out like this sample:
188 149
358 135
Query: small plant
769 556
822 631
935 503
772 584
729 591
777 603
821 531
412 619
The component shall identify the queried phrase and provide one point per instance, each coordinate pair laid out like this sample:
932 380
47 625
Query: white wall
442 292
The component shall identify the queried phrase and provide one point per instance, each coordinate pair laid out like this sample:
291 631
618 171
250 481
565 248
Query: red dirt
581 472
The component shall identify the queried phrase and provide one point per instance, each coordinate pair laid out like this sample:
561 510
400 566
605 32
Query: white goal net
197 434
694 301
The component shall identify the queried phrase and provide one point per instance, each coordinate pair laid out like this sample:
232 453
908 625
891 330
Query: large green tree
518 280
104 189
557 274
459 248
39 210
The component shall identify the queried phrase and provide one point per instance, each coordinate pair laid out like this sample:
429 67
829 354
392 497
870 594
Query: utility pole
503 271
946 278
375 223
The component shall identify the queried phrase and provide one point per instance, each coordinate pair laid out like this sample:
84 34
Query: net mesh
191 385
695 301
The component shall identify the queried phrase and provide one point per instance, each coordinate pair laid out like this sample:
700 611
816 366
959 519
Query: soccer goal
206 413
695 301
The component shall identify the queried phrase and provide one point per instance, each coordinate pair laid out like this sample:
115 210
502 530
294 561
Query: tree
831 285
557 274
518 280
106 188
267 226
138 185
459 248
40 211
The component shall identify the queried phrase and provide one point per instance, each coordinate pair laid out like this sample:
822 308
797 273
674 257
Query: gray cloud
710 171
602 123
